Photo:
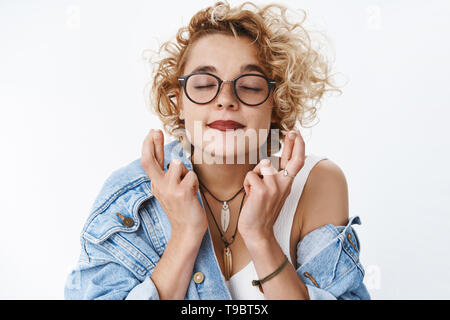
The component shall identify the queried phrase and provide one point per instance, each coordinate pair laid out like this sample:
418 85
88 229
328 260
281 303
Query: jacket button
199 277
128 222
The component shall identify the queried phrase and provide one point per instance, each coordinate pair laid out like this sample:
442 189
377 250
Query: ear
181 115
180 105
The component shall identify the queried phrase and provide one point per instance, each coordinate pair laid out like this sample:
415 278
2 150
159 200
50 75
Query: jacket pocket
117 231
130 256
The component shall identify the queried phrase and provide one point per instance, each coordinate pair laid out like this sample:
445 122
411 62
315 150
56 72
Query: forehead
225 52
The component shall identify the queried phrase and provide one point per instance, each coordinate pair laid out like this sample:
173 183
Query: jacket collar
133 181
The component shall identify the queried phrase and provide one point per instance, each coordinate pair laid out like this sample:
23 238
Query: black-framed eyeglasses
203 87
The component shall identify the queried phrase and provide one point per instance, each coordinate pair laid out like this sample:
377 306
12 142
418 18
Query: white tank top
240 284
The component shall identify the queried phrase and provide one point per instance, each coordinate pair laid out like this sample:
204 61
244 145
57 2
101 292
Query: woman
273 227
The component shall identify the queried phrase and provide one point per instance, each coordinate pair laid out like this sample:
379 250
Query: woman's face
227 58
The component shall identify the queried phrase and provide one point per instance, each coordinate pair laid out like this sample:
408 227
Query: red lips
223 125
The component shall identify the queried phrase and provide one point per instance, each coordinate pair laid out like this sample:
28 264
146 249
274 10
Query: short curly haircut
284 49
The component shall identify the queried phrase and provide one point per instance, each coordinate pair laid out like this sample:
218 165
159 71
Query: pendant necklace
225 219
225 212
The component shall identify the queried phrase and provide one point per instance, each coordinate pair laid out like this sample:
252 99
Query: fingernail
266 162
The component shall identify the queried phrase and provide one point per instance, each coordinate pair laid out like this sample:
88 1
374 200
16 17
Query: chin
223 153
226 147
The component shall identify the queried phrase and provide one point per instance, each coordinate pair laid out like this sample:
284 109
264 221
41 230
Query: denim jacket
127 232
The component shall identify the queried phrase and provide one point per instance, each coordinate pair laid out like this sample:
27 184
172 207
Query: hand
176 190
266 195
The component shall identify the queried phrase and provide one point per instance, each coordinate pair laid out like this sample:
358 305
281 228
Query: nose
226 96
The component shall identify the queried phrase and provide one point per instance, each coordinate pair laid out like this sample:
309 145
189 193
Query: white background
73 110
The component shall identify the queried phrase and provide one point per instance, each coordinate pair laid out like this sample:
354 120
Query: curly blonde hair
284 49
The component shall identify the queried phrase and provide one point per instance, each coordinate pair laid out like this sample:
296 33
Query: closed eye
250 89
201 87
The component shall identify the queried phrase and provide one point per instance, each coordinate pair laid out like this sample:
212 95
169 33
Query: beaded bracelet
261 281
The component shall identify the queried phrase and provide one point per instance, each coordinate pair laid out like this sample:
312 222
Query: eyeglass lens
250 89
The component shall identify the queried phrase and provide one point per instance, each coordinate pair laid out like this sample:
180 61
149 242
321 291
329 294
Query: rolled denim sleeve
103 278
322 294
144 291
328 260
319 294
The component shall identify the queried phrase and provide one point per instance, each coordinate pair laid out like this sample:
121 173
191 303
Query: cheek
194 119
192 112
260 119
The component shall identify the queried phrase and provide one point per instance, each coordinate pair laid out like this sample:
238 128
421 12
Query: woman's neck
223 180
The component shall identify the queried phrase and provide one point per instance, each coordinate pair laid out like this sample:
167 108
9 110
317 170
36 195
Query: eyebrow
244 68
